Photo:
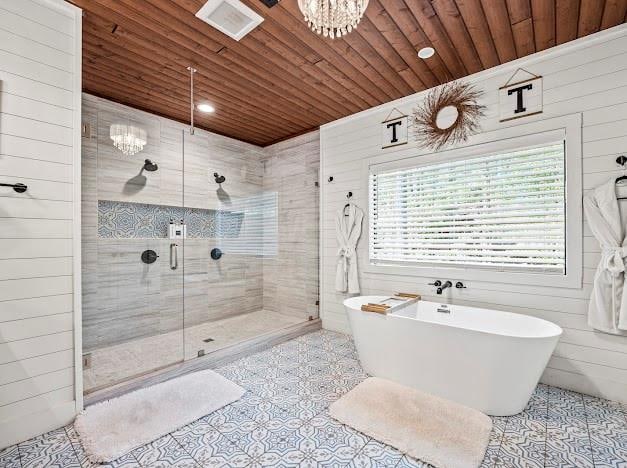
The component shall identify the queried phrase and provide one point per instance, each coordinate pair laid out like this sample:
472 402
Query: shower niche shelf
125 220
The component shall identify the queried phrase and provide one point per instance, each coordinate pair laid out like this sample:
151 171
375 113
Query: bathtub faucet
447 284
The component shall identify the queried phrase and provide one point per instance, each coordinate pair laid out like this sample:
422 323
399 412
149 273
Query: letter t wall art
520 98
394 129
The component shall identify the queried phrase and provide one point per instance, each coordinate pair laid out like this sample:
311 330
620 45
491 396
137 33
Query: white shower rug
113 428
431 429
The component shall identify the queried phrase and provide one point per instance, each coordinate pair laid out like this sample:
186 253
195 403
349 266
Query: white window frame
518 136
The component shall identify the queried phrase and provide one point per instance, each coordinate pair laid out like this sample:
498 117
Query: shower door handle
174 256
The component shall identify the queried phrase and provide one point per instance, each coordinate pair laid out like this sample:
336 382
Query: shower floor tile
282 420
120 362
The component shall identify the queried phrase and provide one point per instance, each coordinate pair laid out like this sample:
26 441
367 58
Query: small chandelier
128 138
333 18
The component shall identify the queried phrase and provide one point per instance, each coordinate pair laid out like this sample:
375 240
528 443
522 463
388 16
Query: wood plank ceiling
282 79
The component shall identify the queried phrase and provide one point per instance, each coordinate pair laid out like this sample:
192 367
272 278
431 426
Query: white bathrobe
607 311
348 230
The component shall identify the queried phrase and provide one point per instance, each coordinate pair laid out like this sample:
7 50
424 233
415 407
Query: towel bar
19 188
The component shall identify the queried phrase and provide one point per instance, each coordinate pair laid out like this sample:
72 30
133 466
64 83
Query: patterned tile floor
282 421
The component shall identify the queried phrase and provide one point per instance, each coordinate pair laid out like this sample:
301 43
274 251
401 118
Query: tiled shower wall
291 170
125 299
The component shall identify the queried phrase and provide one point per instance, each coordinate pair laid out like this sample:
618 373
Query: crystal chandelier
128 138
333 18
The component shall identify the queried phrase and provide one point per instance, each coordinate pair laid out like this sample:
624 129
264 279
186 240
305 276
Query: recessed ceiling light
426 52
205 107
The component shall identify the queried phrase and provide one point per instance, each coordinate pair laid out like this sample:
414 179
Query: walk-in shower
213 243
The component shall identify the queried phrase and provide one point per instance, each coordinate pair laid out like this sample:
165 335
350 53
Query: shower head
219 178
150 166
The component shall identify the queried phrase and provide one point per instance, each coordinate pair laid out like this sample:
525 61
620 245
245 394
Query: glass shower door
223 279
132 270
199 227
251 249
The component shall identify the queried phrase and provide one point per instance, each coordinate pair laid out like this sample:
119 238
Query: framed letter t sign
394 131
520 99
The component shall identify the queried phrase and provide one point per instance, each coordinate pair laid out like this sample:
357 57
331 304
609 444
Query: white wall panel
27 388
34 169
35 366
20 268
35 110
35 287
40 55
46 15
33 149
24 47
36 228
18 85
36 346
589 77
34 129
25 27
38 326
38 73
35 306
34 248
27 207
37 403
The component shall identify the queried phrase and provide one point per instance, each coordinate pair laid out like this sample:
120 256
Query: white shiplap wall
588 76
40 75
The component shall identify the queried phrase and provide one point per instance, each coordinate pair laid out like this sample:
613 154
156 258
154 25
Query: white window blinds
504 211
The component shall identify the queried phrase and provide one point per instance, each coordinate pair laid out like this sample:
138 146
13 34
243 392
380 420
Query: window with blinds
502 212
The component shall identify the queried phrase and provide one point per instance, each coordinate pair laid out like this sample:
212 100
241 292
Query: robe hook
349 194
621 160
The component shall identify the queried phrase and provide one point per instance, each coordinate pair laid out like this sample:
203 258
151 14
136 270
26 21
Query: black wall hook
348 197
621 160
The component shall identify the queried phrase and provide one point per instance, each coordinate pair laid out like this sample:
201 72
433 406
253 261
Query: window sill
570 281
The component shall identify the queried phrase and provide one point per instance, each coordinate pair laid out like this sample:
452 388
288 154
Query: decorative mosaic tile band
139 220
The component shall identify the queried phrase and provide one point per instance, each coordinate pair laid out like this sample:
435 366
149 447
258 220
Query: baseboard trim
338 325
27 426
602 388
210 361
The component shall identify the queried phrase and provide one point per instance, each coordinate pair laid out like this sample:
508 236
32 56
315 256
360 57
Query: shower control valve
436 283
460 285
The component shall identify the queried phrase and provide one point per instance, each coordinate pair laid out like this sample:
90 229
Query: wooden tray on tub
391 304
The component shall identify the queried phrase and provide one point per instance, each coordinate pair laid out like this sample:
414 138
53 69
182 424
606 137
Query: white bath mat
432 429
113 428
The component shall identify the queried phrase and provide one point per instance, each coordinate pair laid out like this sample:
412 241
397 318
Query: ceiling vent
231 17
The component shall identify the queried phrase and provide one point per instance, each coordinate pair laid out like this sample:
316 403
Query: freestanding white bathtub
485 359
